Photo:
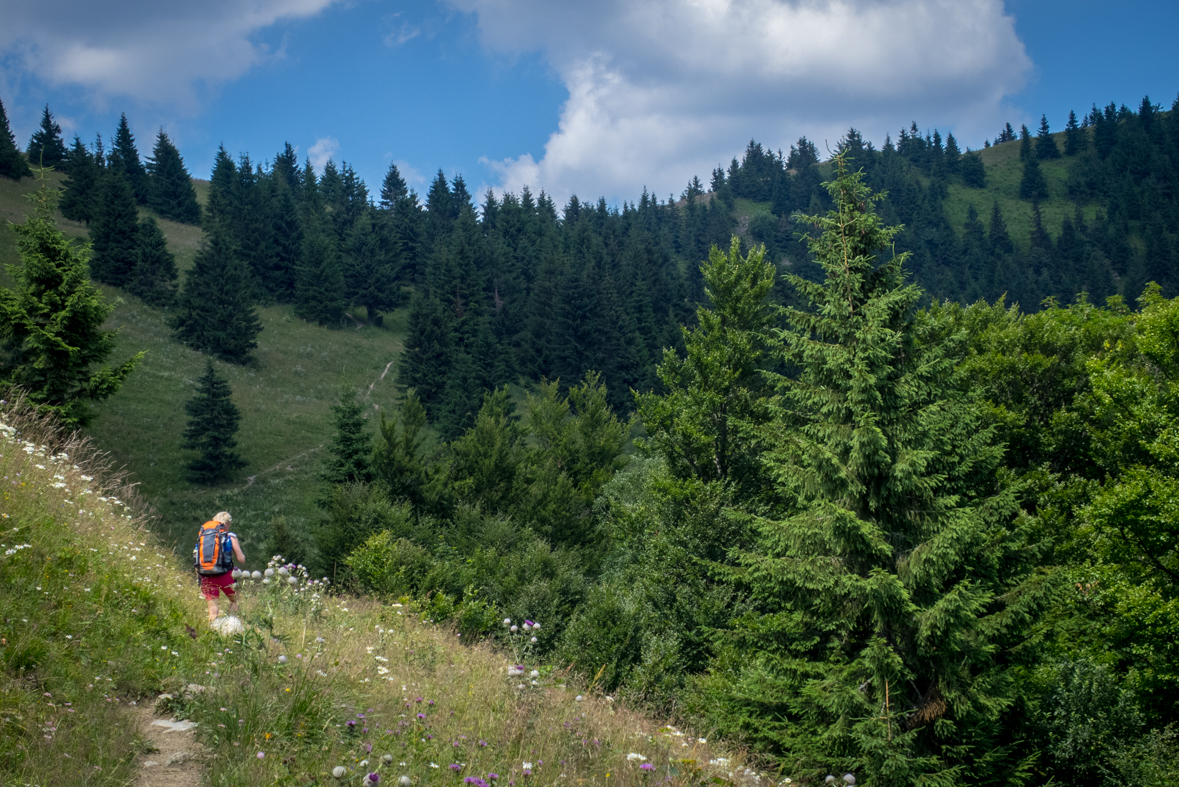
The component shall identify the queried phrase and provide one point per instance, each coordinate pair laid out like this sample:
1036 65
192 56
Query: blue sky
598 98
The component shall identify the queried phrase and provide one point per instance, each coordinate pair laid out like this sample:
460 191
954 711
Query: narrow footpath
174 758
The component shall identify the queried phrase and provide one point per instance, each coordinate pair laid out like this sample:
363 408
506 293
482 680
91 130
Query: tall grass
98 615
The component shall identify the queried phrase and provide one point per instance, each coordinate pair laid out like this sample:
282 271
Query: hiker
212 559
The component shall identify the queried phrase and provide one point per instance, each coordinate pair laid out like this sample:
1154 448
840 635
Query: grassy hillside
97 615
1004 171
284 398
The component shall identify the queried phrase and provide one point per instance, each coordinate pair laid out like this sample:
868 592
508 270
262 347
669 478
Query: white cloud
660 90
324 148
400 31
143 49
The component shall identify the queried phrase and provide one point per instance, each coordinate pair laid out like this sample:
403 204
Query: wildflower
372 779
535 673
339 771
647 766
514 629
387 759
527 769
578 698
282 659
261 755
492 777
533 640
405 781
634 755
851 780
507 621
454 766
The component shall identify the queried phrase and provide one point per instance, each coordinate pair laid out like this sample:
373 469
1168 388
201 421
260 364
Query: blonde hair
223 517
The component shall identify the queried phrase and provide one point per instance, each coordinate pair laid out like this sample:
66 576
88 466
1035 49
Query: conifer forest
848 459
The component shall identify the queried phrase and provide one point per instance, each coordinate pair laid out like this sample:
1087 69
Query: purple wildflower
454 766
647 766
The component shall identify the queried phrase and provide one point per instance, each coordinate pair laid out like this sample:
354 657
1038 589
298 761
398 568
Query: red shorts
212 586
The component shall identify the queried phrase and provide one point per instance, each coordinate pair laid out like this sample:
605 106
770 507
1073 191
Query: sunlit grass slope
284 397
97 614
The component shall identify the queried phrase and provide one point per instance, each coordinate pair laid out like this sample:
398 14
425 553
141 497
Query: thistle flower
647 766
372 780
405 781
387 759
339 771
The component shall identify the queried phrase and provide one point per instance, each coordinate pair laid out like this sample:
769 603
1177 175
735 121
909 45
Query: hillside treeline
516 289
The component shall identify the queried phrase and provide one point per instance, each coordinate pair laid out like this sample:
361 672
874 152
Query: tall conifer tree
124 156
348 459
213 421
154 277
214 311
51 335
1045 145
114 232
12 164
80 197
171 193
319 282
46 147
894 591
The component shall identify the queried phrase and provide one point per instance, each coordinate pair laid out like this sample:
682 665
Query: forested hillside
866 463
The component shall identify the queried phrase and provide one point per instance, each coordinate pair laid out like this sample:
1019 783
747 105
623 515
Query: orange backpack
212 557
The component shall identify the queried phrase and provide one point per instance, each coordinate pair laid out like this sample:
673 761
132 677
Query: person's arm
237 551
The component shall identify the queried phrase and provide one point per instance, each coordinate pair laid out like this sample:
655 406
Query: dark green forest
863 487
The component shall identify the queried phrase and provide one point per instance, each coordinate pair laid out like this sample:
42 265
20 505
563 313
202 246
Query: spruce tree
287 233
393 188
154 276
973 171
426 362
211 430
319 282
12 164
222 205
79 200
214 311
893 592
1033 186
170 186
1045 145
1075 137
51 335
370 267
124 156
46 147
349 453
113 233
1025 143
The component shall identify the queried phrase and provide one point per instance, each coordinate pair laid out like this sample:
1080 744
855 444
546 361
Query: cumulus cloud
324 149
143 49
660 90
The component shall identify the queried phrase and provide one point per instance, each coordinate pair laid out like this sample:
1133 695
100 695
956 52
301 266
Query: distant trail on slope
382 377
280 465
286 463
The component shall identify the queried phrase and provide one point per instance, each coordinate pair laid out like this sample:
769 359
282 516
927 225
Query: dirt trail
174 759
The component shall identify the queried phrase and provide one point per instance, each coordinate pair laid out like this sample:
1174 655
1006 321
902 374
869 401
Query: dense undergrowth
96 617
